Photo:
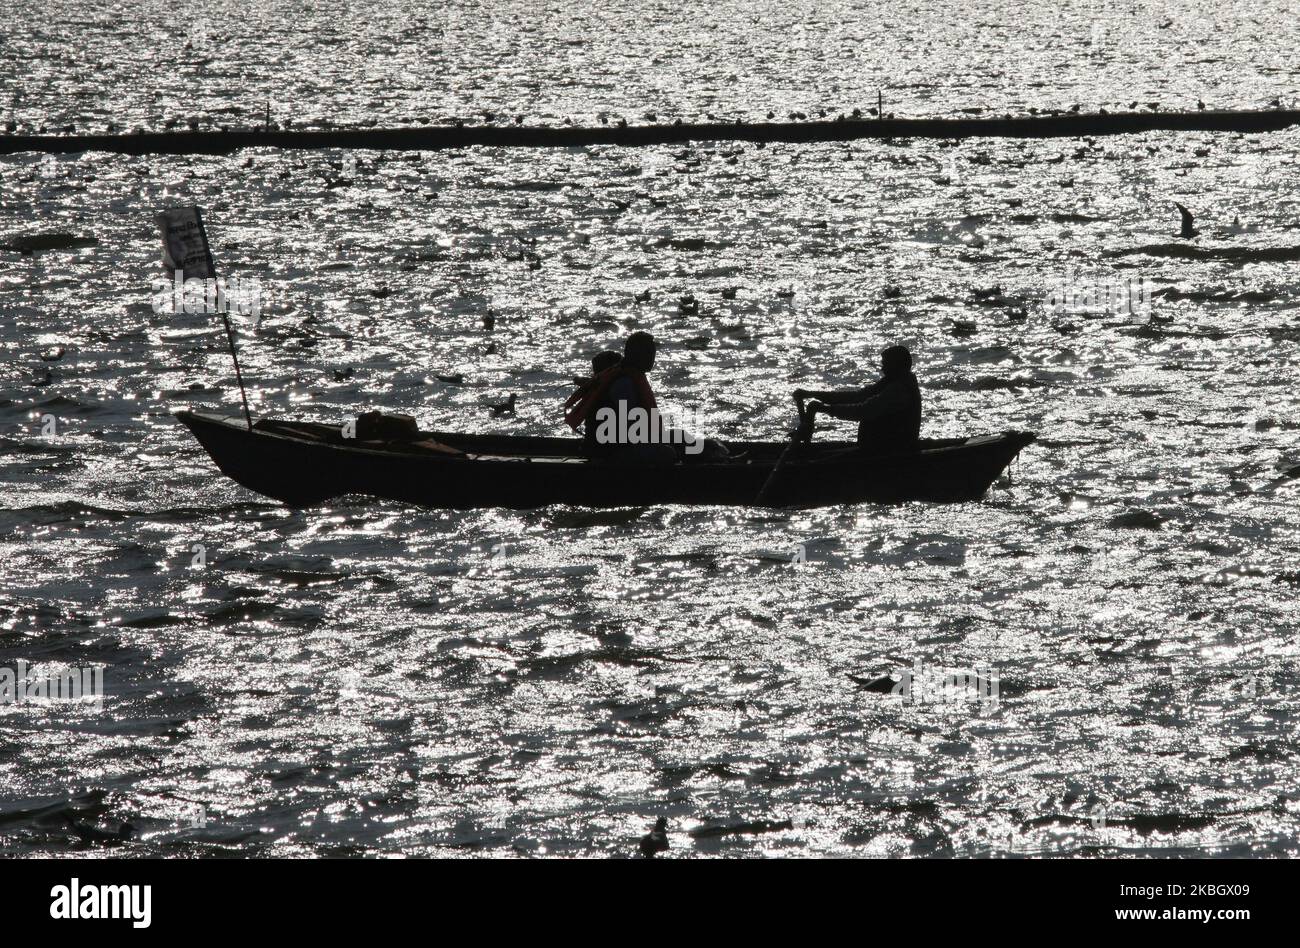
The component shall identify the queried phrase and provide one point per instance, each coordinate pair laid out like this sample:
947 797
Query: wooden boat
304 463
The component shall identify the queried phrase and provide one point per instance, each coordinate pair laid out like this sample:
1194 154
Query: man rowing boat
888 412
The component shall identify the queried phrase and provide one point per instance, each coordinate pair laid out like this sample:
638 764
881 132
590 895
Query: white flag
185 244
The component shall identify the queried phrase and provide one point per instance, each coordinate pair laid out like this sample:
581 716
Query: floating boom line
442 137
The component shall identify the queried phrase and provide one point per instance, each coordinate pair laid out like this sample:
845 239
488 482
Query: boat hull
301 464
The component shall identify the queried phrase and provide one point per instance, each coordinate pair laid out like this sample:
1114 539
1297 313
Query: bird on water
655 841
504 408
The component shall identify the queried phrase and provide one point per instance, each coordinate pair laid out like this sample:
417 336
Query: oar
801 434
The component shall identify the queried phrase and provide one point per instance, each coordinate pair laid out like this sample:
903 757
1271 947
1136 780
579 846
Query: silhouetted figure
888 412
622 392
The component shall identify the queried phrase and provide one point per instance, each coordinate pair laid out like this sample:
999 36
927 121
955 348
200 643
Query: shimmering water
367 678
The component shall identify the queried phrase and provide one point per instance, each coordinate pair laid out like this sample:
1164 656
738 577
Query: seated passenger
602 361
619 411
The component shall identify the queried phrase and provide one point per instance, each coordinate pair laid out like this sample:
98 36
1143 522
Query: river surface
364 678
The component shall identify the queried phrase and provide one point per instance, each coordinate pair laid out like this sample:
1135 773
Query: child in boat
600 363
888 412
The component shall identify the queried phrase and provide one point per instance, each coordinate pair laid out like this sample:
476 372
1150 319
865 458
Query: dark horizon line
1067 125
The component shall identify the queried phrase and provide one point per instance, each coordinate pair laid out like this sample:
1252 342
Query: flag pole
225 319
